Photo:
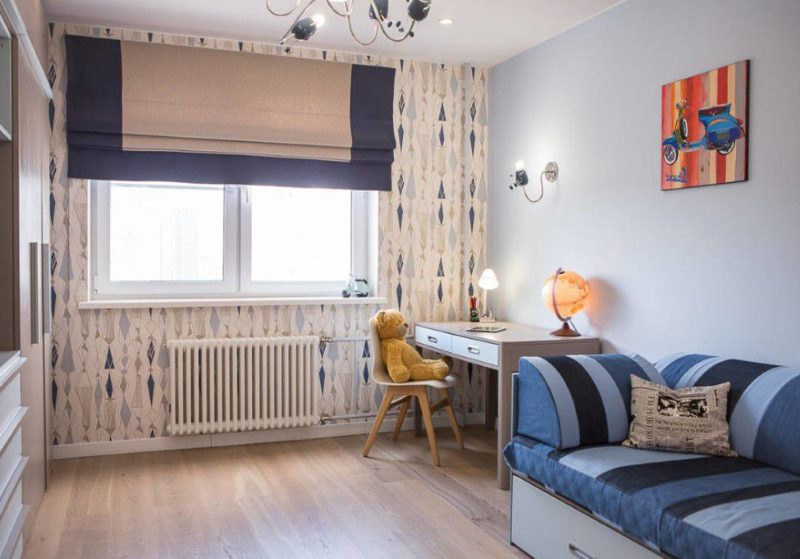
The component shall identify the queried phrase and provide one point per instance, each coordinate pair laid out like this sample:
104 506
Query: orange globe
571 292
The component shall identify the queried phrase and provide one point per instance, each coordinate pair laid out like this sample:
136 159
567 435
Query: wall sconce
521 179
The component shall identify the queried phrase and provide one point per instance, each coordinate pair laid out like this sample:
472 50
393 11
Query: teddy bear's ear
380 318
396 315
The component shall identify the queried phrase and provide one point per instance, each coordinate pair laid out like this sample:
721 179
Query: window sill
225 302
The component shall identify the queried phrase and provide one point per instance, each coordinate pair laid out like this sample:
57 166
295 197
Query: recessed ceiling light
447 21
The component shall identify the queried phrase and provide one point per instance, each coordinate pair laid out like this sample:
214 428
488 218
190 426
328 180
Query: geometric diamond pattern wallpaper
110 366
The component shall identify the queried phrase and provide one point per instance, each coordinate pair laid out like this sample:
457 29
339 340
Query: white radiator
242 384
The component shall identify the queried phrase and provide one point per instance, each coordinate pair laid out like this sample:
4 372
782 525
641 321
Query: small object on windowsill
473 310
358 287
362 288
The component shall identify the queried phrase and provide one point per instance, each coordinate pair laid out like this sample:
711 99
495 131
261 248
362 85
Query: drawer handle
433 340
579 553
473 349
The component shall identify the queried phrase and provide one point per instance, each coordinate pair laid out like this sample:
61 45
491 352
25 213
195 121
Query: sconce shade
571 292
488 280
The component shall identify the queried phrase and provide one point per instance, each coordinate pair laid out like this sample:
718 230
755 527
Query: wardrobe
25 316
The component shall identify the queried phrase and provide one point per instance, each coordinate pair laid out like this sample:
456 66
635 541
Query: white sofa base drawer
547 528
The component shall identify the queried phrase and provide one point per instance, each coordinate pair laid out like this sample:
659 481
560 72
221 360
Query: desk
499 352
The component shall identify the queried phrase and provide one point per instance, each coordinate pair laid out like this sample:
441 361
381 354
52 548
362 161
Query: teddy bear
402 361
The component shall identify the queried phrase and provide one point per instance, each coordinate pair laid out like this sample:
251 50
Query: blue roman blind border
202 168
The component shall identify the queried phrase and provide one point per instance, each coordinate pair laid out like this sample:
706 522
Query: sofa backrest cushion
763 406
578 400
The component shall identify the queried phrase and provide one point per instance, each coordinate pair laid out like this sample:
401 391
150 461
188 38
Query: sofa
577 492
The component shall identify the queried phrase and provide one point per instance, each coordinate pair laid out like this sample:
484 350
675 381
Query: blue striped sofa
571 413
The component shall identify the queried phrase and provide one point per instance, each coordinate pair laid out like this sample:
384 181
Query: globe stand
567 330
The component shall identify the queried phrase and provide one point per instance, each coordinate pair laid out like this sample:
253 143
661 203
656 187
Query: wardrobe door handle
47 311
579 553
34 287
433 340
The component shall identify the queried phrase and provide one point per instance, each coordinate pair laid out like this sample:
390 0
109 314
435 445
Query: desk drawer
433 338
475 350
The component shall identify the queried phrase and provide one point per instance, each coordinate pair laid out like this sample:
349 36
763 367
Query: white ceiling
484 32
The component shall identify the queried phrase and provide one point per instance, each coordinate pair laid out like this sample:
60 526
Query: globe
571 292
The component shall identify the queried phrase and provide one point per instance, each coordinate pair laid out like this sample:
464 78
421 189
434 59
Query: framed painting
704 124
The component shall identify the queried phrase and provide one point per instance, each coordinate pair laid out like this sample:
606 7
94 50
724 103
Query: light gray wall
713 269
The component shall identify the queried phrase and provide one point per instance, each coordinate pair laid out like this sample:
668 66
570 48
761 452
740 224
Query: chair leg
400 419
376 427
452 414
425 404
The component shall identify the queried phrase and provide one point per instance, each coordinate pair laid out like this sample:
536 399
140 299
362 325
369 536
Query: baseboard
101 448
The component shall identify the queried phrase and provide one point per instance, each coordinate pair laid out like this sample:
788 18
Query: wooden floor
315 498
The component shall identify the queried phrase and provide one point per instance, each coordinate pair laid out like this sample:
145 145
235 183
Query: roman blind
145 111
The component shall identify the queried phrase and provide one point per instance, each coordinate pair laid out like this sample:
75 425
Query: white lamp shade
488 280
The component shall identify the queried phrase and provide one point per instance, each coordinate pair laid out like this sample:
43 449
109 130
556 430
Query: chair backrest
379 372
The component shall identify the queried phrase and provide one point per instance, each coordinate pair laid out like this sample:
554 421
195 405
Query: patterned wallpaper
110 366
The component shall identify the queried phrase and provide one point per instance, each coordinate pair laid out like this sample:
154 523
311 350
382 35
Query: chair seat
383 378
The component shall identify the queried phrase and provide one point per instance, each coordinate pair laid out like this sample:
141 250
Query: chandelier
304 25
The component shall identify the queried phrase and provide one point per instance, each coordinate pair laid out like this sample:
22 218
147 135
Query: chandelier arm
383 29
346 13
401 38
379 24
298 18
282 14
356 38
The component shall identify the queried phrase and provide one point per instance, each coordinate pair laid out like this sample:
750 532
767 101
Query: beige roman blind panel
149 111
208 95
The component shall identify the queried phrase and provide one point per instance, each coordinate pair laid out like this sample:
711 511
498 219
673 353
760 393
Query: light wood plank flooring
315 498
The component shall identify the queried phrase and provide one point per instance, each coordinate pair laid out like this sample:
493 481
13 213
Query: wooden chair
401 394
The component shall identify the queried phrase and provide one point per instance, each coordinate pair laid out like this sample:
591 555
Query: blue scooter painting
722 129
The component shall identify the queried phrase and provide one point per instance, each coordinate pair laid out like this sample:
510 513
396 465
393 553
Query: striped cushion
578 400
686 505
764 404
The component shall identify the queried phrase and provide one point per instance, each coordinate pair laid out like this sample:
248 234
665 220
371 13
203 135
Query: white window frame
237 281
359 260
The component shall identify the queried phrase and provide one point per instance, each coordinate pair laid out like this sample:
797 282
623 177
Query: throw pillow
679 420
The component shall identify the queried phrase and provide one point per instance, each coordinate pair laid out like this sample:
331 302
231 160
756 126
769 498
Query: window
172 240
